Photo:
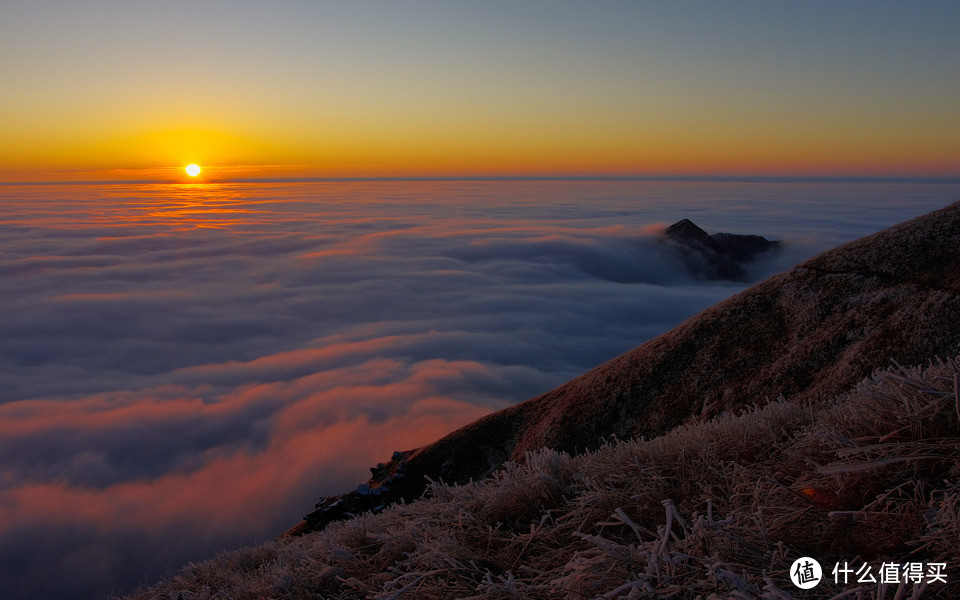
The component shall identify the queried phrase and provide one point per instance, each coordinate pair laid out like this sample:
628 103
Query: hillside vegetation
717 508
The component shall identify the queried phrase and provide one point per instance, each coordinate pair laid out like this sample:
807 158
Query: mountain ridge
808 334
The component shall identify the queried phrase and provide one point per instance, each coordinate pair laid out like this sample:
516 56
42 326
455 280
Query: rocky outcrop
717 256
807 334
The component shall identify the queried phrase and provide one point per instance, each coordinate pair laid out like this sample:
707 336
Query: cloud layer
186 368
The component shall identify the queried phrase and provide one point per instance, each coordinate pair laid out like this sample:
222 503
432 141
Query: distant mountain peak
717 256
685 229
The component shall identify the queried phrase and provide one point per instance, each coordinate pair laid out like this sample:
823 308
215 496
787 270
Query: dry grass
713 510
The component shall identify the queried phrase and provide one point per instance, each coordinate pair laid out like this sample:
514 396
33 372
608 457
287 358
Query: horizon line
934 179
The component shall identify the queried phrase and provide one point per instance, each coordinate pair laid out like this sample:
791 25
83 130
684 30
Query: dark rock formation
717 256
809 334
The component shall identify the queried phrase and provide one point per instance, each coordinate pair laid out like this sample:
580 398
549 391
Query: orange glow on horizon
670 152
477 152
411 141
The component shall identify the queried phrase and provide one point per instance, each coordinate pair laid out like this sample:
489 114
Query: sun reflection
199 205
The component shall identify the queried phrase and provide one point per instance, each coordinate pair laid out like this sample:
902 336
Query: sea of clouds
187 368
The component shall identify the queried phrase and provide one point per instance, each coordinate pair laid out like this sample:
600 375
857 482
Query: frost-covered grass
714 509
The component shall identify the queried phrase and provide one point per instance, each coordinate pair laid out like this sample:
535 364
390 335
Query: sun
193 170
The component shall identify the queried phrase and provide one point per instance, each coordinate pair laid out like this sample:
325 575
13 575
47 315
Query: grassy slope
721 507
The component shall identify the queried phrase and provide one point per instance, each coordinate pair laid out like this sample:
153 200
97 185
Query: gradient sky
134 89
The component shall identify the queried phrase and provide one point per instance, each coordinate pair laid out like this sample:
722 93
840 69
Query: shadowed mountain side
808 334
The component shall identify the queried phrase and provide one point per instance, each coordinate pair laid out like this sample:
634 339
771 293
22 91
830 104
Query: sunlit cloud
187 368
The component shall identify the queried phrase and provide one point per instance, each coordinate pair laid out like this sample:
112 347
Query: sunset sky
138 90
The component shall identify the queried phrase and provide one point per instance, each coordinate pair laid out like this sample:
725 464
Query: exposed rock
717 256
807 334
